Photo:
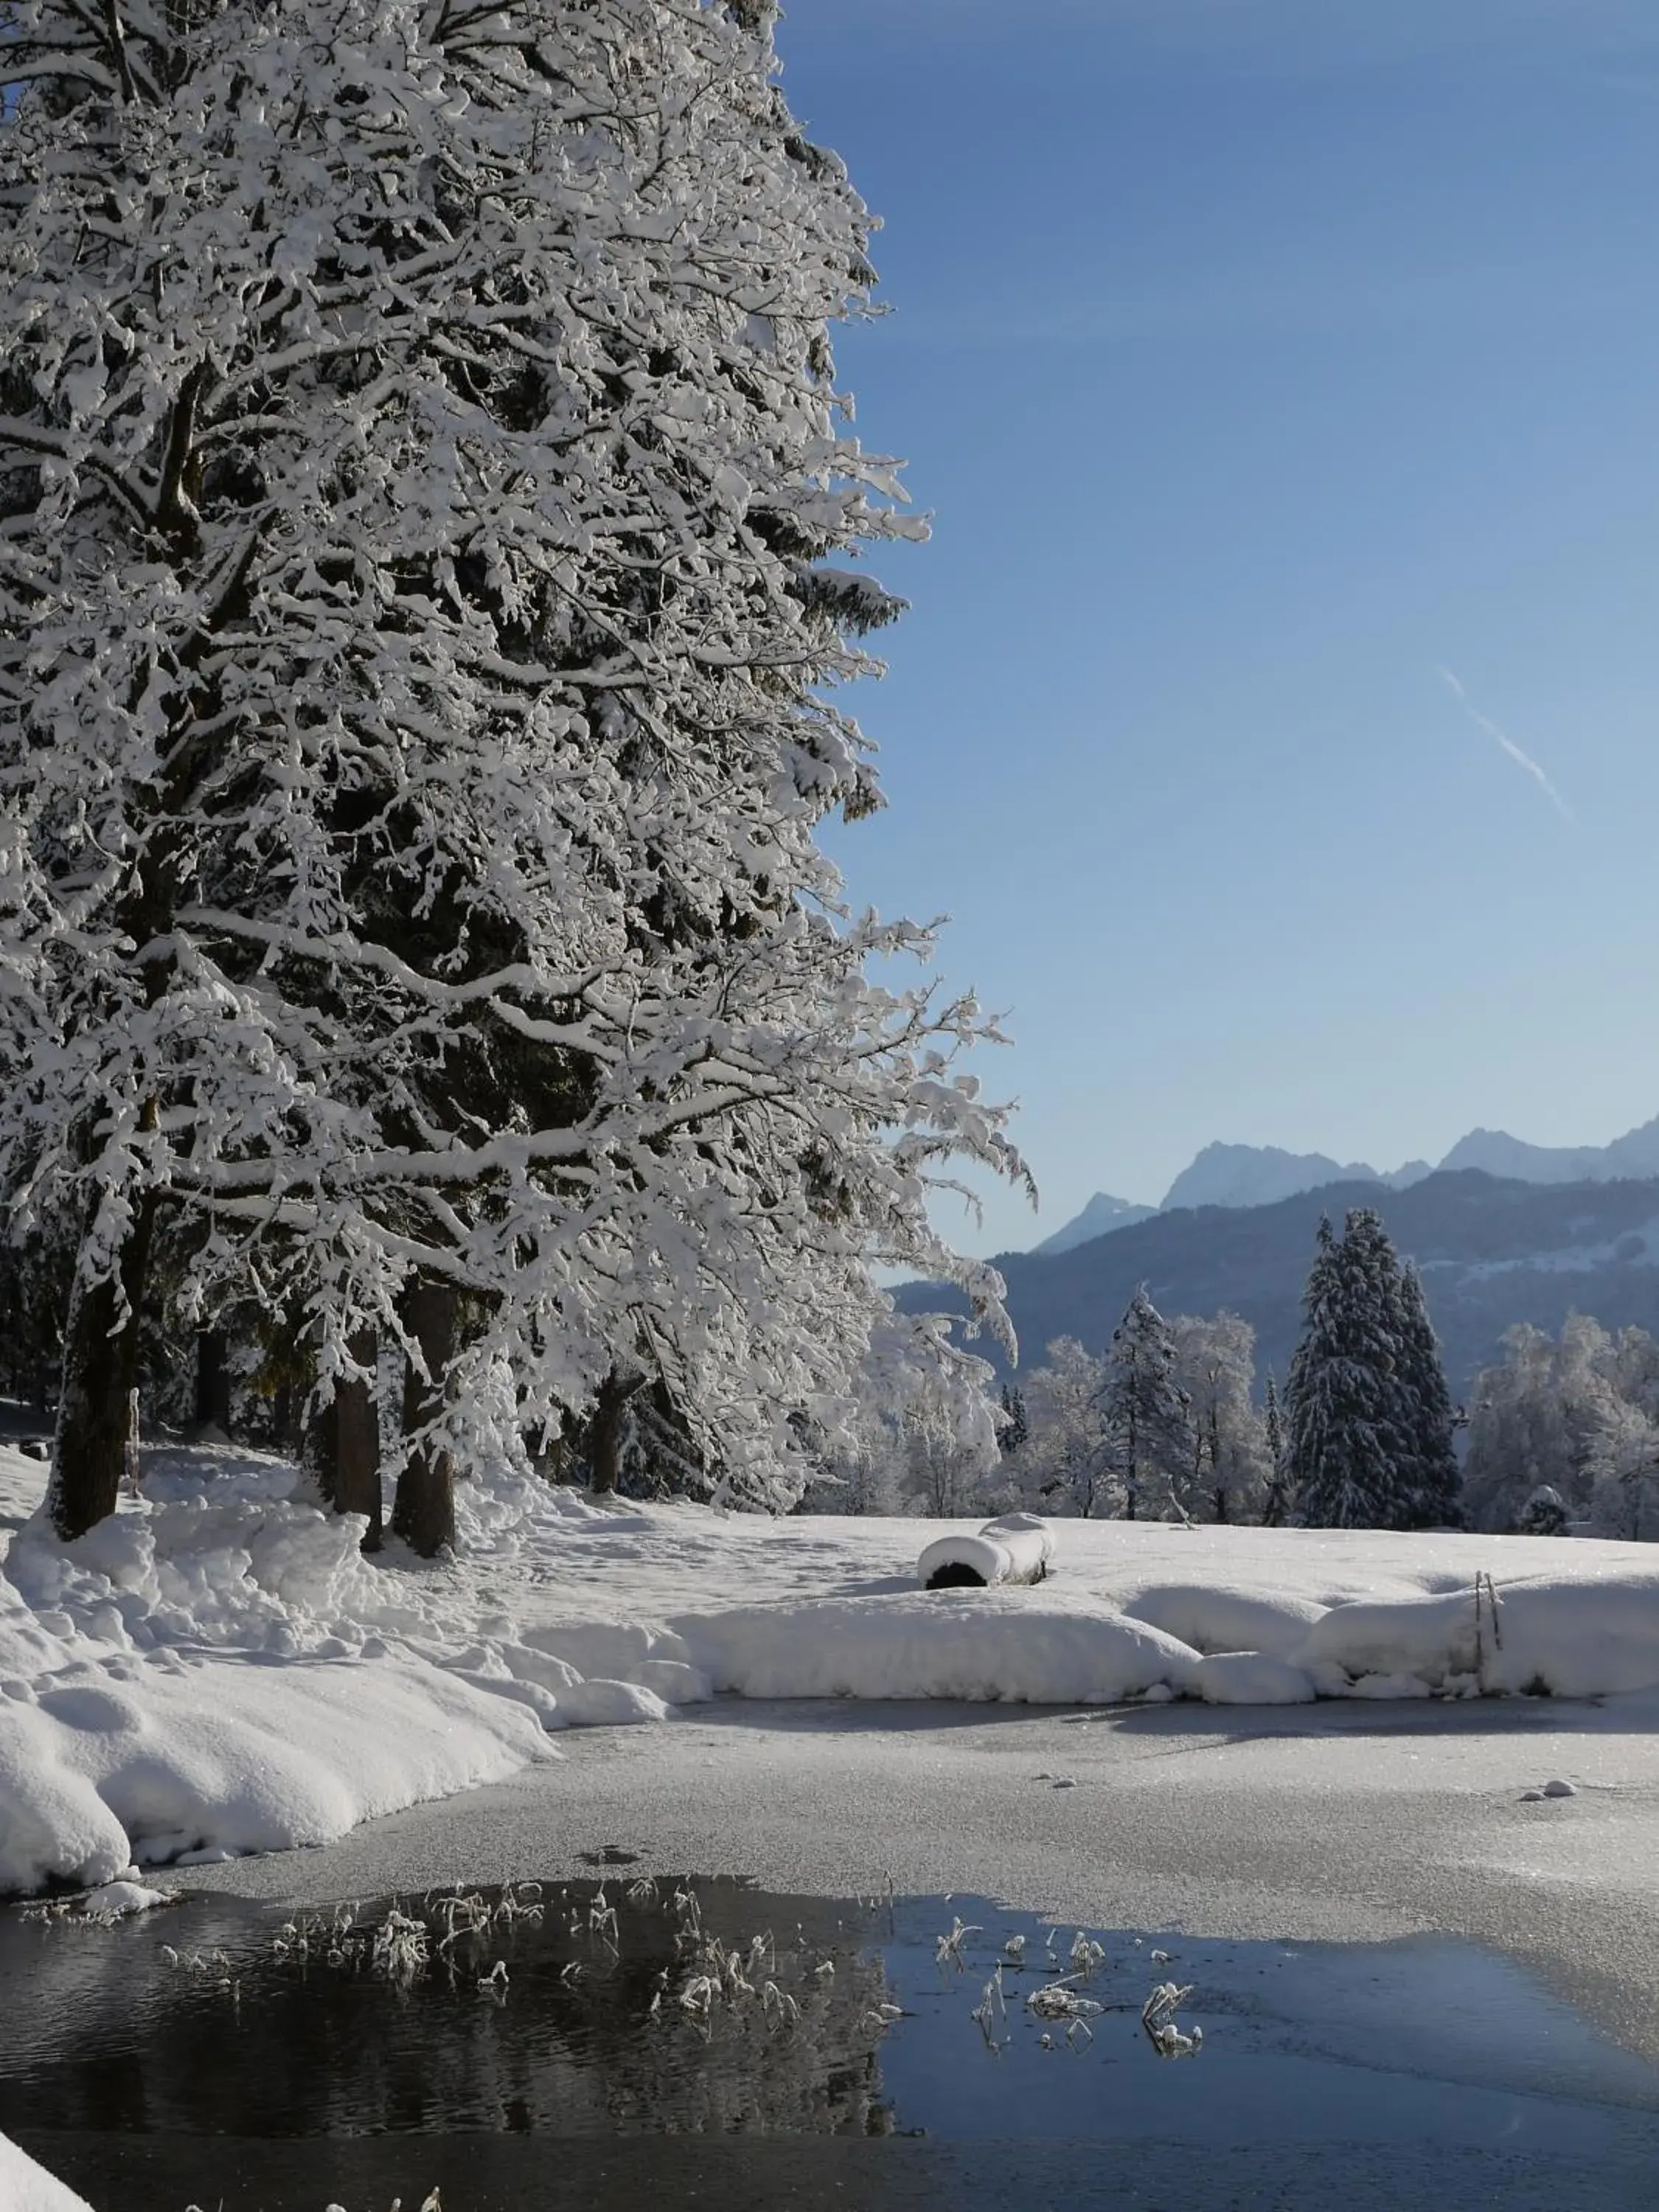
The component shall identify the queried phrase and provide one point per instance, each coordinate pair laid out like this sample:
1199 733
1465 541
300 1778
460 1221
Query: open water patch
640 2041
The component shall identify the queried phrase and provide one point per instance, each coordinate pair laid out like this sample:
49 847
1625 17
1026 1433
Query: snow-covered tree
922 1437
1430 1481
1371 1418
423 485
1544 1514
1343 1447
1062 1468
1215 1365
1147 1415
1519 1440
1016 1426
1570 1414
1622 1471
1277 1492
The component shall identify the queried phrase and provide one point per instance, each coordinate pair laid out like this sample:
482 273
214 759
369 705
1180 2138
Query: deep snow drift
217 1670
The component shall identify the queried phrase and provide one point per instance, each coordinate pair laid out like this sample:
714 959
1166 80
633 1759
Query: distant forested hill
1492 1251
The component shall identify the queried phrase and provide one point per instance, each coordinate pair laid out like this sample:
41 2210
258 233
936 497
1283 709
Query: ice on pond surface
228 2053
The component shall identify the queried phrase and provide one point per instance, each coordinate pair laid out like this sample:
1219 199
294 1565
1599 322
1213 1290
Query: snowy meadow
217 1669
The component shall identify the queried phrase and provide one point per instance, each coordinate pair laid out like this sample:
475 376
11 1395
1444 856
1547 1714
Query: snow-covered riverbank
217 1671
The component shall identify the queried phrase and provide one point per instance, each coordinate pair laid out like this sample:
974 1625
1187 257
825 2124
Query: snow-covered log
1015 1549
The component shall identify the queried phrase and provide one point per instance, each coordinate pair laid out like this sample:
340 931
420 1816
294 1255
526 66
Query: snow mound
227 1548
1219 1620
27 2187
1569 1636
119 1900
217 1670
1251 1678
989 1646
107 1760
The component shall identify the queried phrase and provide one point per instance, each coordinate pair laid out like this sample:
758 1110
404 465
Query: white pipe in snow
1015 1549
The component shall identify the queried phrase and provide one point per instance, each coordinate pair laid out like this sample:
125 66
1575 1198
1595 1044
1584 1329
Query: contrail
1521 759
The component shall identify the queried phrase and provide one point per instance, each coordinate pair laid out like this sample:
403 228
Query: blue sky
1257 360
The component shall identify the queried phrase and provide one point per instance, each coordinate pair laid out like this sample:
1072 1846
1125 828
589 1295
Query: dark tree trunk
100 1372
344 1445
212 1380
608 1431
423 1511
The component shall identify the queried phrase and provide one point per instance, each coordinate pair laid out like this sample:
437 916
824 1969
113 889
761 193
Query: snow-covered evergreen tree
1371 1418
1016 1427
1345 1448
1431 1480
1277 1492
1147 1414
1544 1514
422 481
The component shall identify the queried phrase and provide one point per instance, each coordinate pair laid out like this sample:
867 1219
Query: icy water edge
656 2042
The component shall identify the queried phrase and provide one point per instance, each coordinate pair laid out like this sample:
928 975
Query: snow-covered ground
27 2187
217 1671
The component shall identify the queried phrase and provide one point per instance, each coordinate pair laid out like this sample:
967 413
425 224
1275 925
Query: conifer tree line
428 530
1164 1422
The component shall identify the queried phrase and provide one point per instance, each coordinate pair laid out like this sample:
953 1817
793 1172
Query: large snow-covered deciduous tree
1575 1417
424 507
1226 1478
1062 1466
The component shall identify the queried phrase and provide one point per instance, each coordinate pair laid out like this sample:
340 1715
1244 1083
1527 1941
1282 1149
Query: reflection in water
560 2009
663 2042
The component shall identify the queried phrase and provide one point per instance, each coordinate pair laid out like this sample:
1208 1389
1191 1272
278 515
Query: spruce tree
1276 1501
1344 1447
1148 1416
1016 1425
1432 1482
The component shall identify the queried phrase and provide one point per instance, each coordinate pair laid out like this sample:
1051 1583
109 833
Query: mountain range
1261 1175
1492 1251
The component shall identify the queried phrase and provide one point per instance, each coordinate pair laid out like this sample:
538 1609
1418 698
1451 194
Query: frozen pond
621 2042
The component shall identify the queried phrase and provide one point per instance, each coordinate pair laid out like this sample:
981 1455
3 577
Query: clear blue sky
1257 360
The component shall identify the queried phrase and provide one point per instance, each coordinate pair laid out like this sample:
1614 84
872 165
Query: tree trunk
344 1445
423 1511
100 1372
212 1381
607 1434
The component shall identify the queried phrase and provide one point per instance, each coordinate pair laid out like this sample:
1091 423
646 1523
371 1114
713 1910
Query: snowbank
217 1670
983 1644
27 2187
108 1760
1579 1636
